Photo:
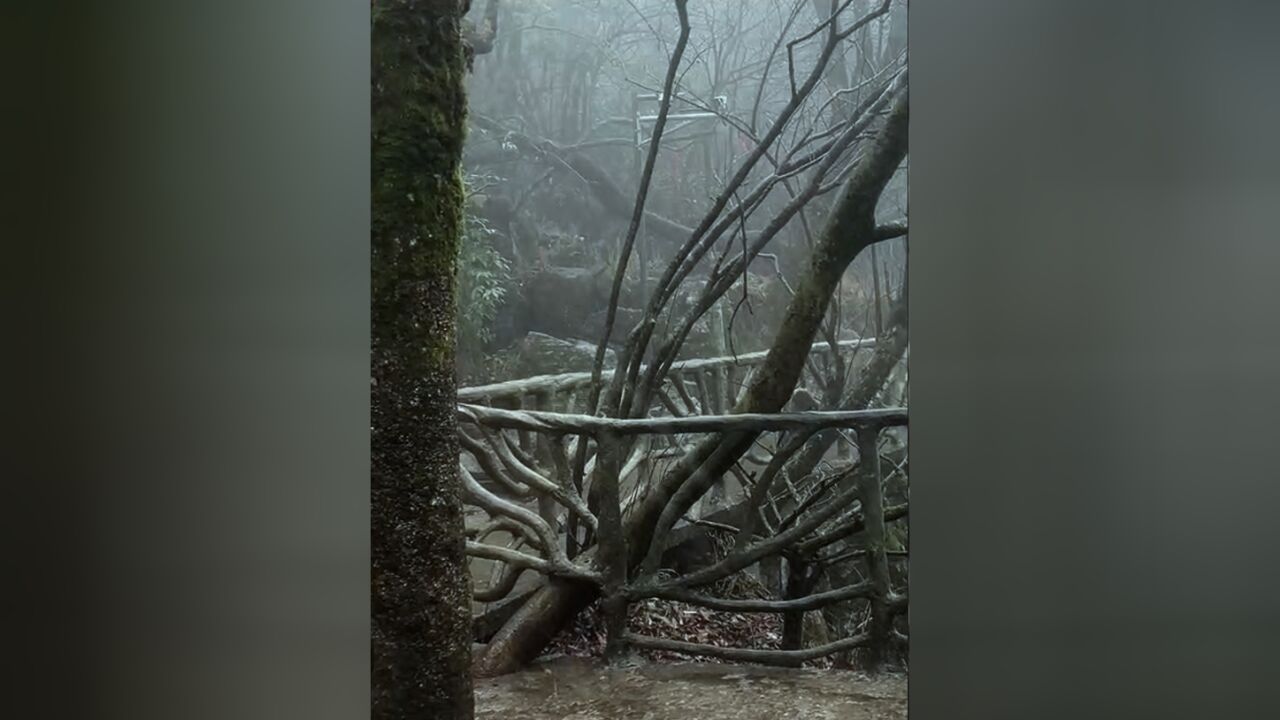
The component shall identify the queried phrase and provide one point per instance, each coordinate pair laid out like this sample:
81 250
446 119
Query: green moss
420 598
419 111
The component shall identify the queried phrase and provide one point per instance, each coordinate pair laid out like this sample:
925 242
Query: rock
541 354
625 319
694 552
557 300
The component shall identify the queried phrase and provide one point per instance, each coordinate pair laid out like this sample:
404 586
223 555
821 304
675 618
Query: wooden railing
729 372
518 474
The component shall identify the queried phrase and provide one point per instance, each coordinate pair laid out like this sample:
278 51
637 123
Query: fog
562 111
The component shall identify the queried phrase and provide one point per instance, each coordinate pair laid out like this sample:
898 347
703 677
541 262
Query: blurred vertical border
189 272
1095 281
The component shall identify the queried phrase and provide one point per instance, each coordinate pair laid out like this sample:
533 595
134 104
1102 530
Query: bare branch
565 495
561 423
522 560
489 462
745 655
502 587
849 529
888 231
544 536
809 602
642 193
569 381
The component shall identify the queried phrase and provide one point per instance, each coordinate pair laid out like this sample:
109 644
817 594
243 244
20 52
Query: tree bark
421 634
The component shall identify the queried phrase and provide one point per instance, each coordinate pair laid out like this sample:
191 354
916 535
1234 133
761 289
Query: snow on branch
563 423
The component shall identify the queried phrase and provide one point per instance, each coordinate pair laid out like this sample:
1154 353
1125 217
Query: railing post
873 534
524 436
716 389
732 385
704 395
612 556
548 508
801 579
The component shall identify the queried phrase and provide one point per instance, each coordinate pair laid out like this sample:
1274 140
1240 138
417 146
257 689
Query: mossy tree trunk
421 642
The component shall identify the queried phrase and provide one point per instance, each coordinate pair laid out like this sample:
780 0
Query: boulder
541 354
558 300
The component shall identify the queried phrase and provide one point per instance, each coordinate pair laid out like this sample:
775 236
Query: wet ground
581 689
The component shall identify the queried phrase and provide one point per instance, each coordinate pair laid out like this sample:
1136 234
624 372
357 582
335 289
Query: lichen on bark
420 589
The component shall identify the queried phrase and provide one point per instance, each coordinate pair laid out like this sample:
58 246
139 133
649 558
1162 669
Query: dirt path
576 689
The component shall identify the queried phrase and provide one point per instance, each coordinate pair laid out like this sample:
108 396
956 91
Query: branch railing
565 385
701 386
558 529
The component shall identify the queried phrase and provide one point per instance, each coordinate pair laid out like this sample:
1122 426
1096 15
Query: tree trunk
552 607
850 228
421 635
873 377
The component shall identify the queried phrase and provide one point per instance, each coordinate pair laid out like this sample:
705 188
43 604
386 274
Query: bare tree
850 229
800 134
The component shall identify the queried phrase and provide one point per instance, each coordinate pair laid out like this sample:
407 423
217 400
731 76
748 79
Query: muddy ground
583 689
